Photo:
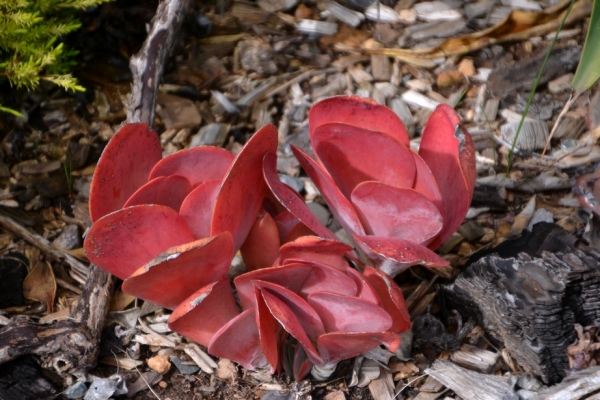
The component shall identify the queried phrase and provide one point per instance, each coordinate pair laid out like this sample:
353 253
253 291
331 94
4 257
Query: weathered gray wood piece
530 305
147 66
581 385
470 384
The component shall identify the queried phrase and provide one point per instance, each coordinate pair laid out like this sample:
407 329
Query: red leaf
198 164
301 365
349 314
286 221
290 276
324 278
268 331
313 248
393 255
353 155
337 346
123 168
298 231
178 272
166 191
448 151
206 311
290 321
391 298
359 112
293 203
426 185
197 208
123 241
389 211
307 316
243 188
239 341
340 206
365 291
261 248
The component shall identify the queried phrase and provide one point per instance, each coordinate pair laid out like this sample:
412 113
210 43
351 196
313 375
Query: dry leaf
518 25
40 285
120 301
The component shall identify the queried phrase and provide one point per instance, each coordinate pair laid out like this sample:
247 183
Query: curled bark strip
147 66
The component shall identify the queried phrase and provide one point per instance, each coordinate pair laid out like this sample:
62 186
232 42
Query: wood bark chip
71 346
530 303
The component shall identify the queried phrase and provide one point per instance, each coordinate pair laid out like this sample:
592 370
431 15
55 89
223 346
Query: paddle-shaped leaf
393 255
358 111
349 314
450 155
178 272
391 298
395 212
316 249
166 191
340 206
343 150
261 248
197 208
123 168
206 311
290 200
337 346
243 188
123 241
198 164
239 340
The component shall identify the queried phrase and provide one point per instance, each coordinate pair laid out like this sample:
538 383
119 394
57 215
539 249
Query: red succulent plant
398 205
311 294
169 228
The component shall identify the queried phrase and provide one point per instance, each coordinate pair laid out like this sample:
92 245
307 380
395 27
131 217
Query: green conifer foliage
29 48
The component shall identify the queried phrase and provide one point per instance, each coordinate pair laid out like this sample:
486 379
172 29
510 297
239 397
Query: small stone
382 13
449 78
337 395
408 16
561 83
184 368
276 5
69 238
160 364
76 391
466 67
302 11
226 369
163 384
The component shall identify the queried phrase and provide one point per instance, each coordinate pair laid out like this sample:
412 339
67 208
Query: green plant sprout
535 85
29 48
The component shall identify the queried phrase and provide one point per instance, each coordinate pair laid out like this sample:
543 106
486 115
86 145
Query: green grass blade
511 154
588 70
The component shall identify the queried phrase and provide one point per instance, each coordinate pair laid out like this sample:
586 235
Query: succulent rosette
398 205
311 294
168 226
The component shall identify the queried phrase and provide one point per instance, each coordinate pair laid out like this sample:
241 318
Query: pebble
184 368
466 67
418 100
345 15
69 238
311 26
76 391
159 364
303 11
382 13
561 83
449 78
276 5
